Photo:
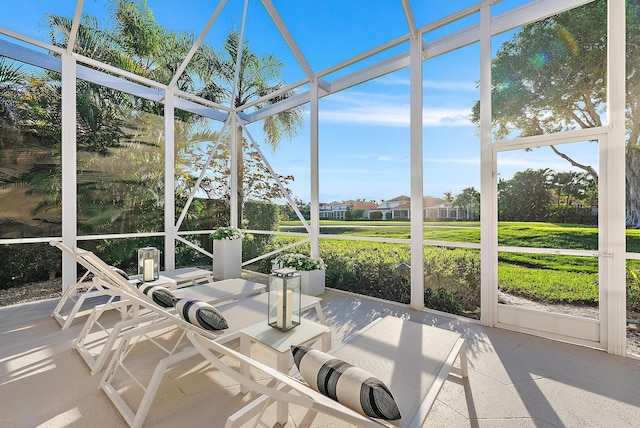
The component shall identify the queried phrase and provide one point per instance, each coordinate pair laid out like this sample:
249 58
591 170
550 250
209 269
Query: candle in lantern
283 317
148 270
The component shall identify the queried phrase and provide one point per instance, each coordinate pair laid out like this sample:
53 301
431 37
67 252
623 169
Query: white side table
163 281
280 343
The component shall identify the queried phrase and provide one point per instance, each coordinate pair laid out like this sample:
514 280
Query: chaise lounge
413 360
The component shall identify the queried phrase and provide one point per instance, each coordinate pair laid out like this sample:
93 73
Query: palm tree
11 82
110 122
258 76
120 136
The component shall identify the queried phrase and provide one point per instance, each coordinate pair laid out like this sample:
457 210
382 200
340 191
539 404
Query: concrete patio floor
515 380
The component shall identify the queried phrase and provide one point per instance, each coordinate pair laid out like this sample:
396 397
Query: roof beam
525 14
522 15
200 109
411 20
236 76
32 41
277 19
71 41
515 18
30 56
48 62
264 98
197 44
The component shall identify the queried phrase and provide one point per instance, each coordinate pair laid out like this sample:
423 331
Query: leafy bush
226 234
24 263
633 291
259 215
453 272
443 300
300 262
452 277
367 268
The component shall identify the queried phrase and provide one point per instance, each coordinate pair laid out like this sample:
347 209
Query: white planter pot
312 282
227 258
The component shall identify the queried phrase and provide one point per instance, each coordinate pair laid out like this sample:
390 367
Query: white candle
284 318
148 270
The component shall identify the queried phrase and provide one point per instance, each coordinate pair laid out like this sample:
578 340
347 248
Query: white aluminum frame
584 331
612 243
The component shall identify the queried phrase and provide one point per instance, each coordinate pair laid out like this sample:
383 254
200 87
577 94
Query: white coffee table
280 343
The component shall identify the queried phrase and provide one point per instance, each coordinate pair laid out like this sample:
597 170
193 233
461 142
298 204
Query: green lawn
541 276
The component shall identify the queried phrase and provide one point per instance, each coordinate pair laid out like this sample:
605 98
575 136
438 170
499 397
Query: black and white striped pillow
201 314
120 272
160 295
352 386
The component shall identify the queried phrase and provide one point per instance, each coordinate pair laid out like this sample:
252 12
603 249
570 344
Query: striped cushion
352 386
120 272
201 314
160 295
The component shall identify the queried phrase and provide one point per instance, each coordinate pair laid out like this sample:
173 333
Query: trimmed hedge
452 276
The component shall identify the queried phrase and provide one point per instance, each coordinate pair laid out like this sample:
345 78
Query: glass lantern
149 263
284 299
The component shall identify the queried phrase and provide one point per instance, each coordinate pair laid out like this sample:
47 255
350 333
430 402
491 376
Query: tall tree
469 199
525 196
551 76
257 76
121 135
12 80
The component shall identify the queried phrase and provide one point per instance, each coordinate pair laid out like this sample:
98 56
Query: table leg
245 349
284 365
325 341
318 309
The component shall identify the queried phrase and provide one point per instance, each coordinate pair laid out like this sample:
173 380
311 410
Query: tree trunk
633 186
240 169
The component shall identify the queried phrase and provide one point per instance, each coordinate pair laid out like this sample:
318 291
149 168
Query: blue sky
364 131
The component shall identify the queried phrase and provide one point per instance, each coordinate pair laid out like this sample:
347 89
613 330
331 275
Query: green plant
633 291
443 300
548 284
226 234
453 276
299 262
259 215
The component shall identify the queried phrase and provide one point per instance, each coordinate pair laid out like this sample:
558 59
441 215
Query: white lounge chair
166 331
77 294
96 339
120 375
412 360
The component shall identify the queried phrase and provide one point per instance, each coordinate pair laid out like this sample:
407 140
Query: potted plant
311 271
227 252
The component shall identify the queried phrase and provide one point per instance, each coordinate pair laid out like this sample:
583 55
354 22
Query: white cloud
466 161
443 85
386 110
451 85
373 156
447 117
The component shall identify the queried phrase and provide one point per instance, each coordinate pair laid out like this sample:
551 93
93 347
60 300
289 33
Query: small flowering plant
226 234
298 262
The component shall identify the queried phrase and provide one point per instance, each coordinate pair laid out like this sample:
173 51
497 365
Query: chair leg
242 416
136 417
69 294
464 370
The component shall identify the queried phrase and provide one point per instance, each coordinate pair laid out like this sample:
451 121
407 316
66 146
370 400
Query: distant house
440 209
394 209
338 210
398 208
